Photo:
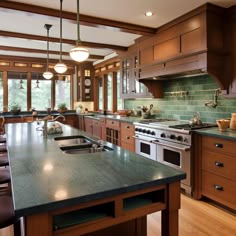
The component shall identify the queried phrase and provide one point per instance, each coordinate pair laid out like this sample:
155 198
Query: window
119 100
40 92
109 92
100 94
1 91
63 91
17 89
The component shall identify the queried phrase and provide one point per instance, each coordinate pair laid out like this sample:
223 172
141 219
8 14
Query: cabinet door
88 125
97 129
130 74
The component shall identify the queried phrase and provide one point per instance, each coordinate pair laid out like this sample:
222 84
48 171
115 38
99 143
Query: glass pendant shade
79 54
60 68
47 75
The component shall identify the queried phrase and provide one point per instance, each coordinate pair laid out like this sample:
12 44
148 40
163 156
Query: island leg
170 216
38 225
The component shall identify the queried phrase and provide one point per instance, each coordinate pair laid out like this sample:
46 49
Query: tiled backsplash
201 89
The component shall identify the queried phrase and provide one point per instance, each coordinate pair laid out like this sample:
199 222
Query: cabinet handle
219 145
127 137
127 126
112 122
219 164
218 187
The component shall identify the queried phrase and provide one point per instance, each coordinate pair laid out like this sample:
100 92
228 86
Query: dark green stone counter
215 132
44 178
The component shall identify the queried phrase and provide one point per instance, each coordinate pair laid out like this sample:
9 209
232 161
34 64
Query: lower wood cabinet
217 170
127 136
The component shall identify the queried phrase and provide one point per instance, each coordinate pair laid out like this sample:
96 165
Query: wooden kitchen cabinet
85 82
88 125
113 131
127 136
130 85
218 170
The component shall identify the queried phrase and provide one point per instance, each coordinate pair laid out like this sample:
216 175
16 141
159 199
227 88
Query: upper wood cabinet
197 42
130 85
85 82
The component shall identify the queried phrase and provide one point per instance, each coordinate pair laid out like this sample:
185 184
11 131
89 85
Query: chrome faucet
45 125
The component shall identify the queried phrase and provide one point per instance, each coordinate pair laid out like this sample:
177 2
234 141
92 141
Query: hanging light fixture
21 84
78 53
60 67
47 74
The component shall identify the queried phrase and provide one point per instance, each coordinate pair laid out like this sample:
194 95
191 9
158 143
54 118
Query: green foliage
14 107
62 105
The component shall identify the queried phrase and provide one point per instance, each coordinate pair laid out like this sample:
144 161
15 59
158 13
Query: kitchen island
101 193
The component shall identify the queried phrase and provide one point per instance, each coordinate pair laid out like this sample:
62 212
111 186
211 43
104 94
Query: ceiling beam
30 50
57 40
84 19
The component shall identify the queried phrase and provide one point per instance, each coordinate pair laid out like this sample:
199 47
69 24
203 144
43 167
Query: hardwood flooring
196 218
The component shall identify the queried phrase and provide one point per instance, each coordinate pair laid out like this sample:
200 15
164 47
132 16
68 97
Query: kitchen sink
85 148
73 140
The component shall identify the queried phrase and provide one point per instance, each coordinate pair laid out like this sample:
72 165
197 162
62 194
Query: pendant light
79 53
47 74
60 67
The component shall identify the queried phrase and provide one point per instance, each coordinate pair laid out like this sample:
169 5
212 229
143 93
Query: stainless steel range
169 142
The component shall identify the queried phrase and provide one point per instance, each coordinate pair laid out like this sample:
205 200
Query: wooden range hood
201 42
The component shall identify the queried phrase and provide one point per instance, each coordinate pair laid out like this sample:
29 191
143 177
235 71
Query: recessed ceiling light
148 13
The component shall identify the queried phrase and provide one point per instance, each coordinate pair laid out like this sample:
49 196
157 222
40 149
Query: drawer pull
127 126
219 145
218 187
219 164
127 137
112 122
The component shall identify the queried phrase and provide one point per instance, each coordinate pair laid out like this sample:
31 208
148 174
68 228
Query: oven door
175 155
144 146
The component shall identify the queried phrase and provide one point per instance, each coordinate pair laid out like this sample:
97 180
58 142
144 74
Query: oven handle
143 139
185 149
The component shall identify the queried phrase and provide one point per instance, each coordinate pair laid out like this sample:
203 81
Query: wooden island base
124 214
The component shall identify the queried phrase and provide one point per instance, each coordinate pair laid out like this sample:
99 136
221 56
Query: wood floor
196 218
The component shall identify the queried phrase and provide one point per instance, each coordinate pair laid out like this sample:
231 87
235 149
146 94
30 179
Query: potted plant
15 108
62 107
79 109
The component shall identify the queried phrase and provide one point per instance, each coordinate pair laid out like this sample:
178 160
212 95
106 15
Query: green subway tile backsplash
201 89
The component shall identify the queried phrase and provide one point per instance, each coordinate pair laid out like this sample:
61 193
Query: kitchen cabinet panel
216 177
127 136
168 49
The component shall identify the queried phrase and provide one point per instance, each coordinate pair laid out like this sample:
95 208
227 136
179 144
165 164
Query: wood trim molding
84 19
57 40
19 49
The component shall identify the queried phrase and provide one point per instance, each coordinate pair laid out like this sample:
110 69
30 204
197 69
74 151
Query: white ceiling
129 11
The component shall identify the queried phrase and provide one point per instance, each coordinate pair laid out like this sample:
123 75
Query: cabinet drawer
102 121
219 164
219 145
127 127
219 189
96 123
113 123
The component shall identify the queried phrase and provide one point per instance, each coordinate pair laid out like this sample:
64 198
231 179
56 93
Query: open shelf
83 215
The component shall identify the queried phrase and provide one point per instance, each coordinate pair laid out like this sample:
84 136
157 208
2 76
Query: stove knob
179 138
172 136
153 133
144 131
163 135
185 140
148 131
137 129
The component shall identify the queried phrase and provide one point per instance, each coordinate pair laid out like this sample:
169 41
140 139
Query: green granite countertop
44 178
129 119
215 132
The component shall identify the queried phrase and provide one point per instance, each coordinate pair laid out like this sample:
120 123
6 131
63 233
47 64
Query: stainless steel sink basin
73 140
85 148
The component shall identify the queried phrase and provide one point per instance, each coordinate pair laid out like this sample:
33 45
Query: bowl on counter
223 124
124 112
